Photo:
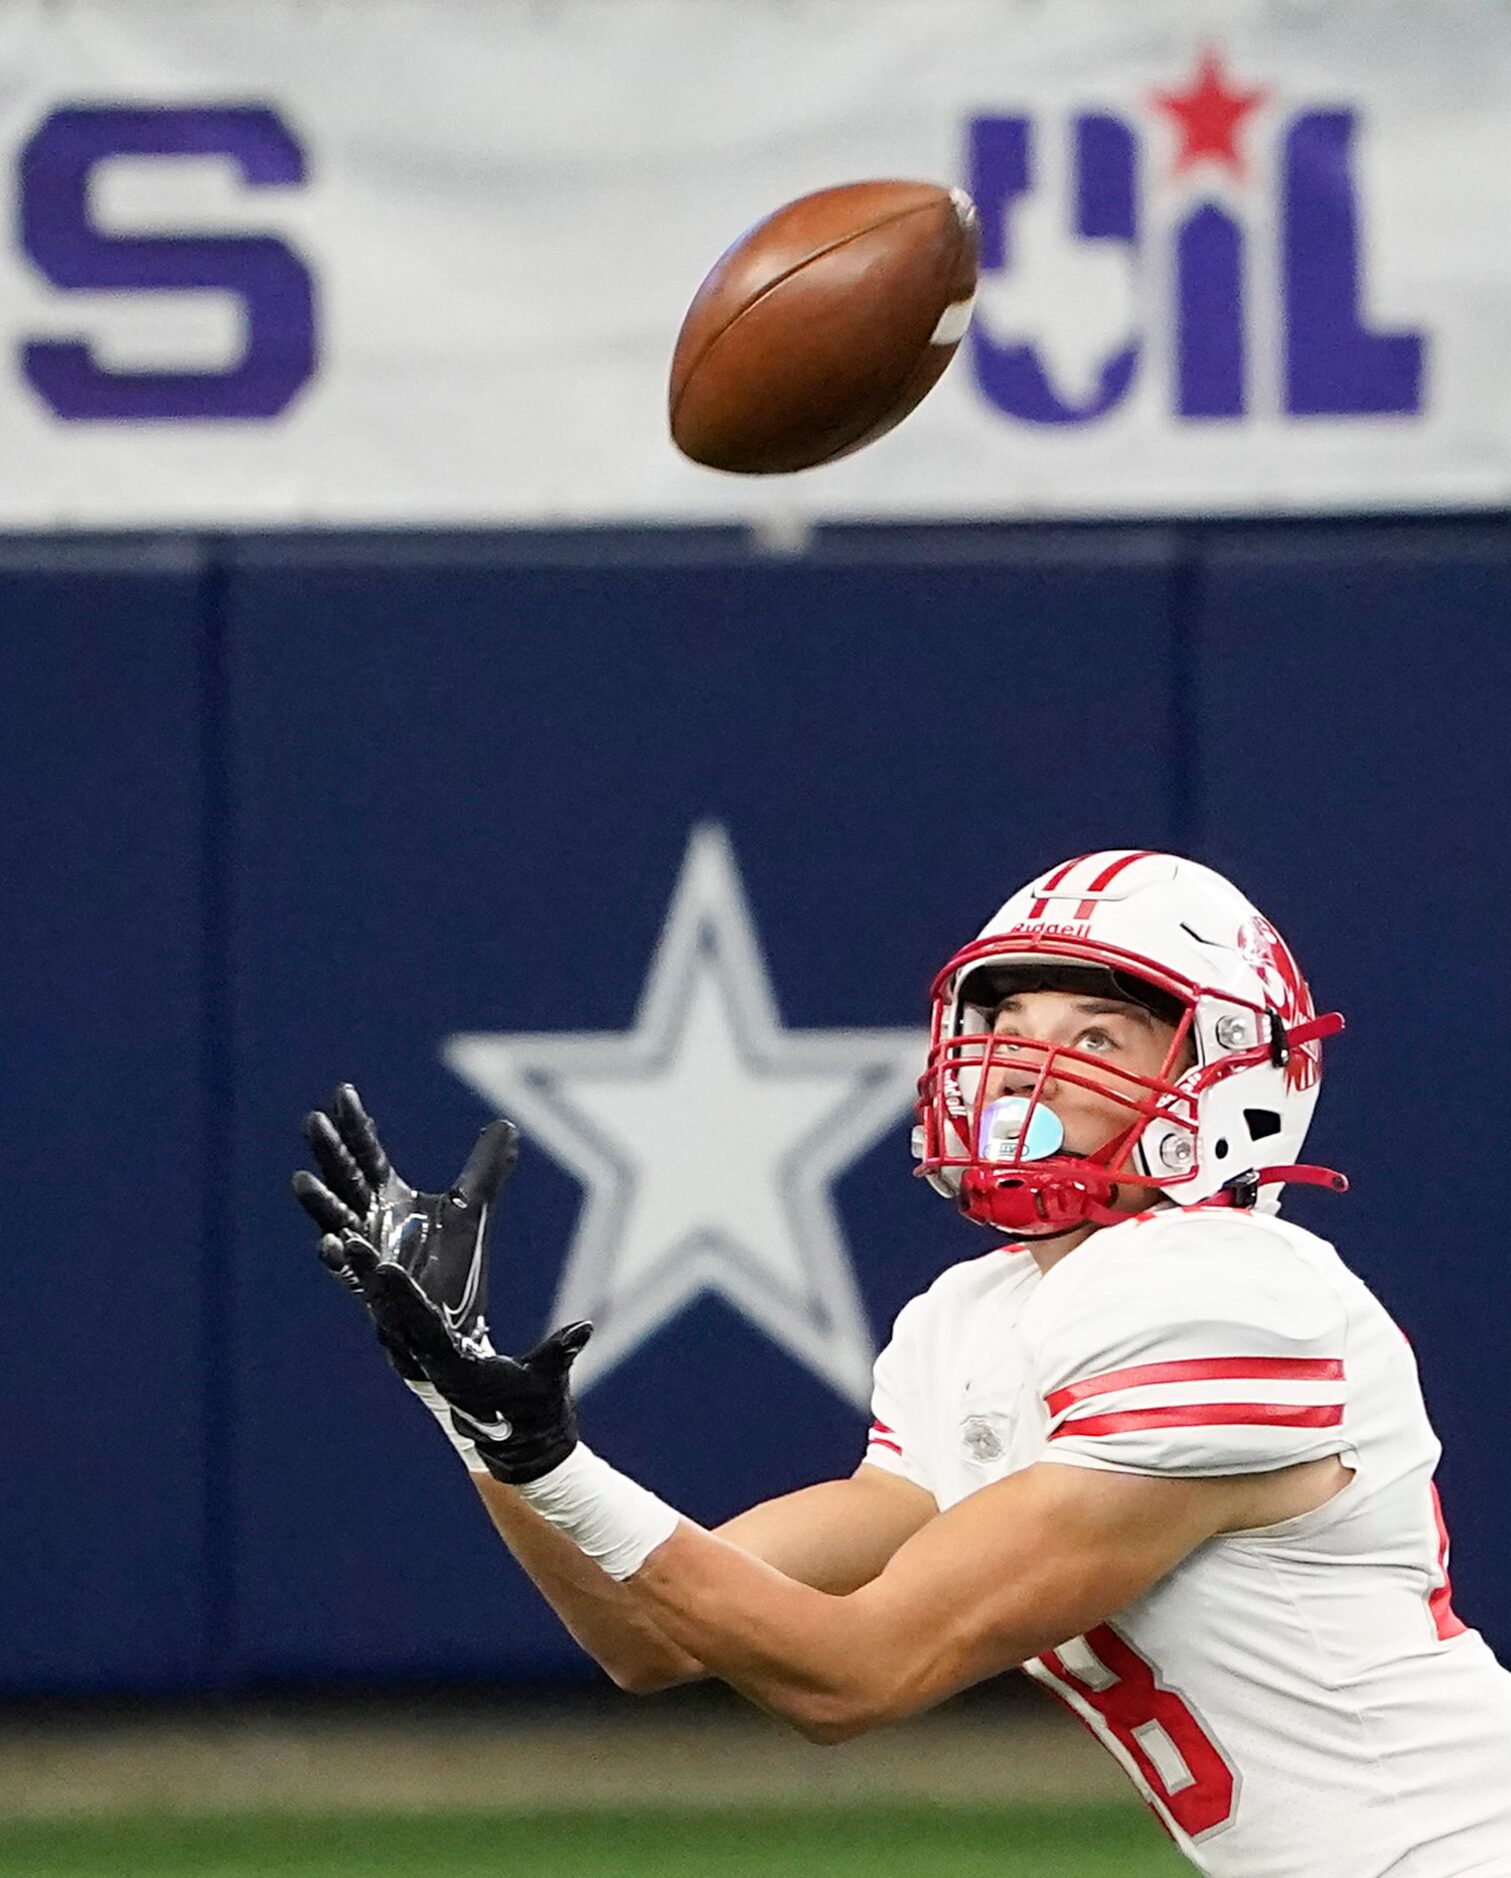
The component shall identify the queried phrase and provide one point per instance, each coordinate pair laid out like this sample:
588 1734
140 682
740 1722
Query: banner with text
383 262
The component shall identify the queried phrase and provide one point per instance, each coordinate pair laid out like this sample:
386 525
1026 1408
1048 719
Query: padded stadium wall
279 811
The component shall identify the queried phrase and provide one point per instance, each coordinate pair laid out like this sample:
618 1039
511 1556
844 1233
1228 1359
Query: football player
1160 1447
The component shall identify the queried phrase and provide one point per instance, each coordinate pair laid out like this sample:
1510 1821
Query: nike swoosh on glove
517 1410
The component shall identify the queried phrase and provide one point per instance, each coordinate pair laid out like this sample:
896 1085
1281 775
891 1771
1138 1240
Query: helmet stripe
1041 906
1107 876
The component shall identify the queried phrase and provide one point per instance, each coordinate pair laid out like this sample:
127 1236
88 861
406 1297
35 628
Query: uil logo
1201 251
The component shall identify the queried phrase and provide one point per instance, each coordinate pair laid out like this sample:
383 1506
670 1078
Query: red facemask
983 1111
1017 1177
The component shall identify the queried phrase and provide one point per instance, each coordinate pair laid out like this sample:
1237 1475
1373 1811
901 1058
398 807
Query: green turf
650 1842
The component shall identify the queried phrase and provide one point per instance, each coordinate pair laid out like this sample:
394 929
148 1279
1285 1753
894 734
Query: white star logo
706 1138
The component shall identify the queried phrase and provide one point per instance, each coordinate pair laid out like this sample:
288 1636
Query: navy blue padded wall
1356 779
465 784
101 997
458 786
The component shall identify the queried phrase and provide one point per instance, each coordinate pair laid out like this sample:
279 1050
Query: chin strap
1244 1190
1283 1040
1050 1207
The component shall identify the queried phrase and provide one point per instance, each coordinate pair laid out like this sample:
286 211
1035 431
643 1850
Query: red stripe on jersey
1446 1620
1200 1369
884 1441
1206 1415
1041 906
1106 878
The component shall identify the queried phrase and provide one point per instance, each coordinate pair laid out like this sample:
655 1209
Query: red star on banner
1208 116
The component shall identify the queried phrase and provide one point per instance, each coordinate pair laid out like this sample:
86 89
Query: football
823 326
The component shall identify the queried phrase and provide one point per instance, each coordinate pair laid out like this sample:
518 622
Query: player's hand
518 1411
439 1239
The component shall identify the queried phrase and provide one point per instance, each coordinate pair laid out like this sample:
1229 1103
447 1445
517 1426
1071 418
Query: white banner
423 261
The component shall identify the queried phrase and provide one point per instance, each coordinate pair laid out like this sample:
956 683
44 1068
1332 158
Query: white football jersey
1293 1702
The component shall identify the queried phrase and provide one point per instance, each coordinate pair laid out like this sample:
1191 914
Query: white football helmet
1180 940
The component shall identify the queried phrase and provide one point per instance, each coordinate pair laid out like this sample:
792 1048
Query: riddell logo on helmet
1285 991
1039 928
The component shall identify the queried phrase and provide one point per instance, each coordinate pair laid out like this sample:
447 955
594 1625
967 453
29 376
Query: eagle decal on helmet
1274 964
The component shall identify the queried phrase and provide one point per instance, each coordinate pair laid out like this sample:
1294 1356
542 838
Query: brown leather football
823 326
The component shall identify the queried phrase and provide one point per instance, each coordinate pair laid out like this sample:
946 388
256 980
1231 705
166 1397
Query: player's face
1124 1036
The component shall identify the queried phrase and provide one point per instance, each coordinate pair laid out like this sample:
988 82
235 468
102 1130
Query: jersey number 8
1138 1710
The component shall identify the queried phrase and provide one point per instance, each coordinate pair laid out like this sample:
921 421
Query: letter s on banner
272 283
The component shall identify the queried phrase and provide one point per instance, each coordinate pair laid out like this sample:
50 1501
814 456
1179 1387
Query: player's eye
1096 1040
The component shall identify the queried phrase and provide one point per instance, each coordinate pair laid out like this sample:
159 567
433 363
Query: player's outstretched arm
1013 1570
1009 1572
836 1535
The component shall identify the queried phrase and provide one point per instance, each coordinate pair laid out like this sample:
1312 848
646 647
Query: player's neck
1048 1252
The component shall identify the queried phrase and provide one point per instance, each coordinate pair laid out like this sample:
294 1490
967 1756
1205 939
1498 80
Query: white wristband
441 1409
611 1518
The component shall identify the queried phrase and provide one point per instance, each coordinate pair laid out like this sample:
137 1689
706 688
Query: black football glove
518 1411
439 1239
